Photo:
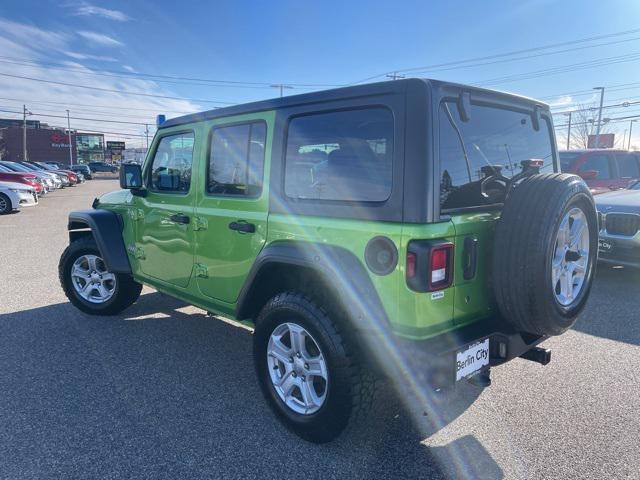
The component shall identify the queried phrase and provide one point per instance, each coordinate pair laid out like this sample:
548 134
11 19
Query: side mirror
131 176
588 174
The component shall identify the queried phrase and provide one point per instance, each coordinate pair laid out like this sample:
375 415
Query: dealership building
51 144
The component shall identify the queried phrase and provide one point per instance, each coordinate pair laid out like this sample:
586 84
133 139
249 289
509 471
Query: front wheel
307 370
89 285
5 204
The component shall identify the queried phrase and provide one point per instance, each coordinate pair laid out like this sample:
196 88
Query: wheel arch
106 228
328 273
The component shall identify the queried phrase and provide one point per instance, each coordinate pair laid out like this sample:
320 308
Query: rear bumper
434 360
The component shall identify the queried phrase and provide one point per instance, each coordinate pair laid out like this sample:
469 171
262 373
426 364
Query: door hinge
136 214
201 270
137 252
200 223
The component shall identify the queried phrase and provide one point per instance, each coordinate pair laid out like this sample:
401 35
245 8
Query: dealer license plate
472 359
604 246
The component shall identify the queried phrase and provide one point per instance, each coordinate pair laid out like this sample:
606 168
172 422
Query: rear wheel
307 370
545 249
89 285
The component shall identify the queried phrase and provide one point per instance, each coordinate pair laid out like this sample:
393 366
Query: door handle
179 218
242 226
470 253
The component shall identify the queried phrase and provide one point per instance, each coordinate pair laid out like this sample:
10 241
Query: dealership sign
59 140
605 140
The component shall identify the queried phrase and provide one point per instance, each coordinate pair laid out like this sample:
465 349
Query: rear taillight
441 267
429 265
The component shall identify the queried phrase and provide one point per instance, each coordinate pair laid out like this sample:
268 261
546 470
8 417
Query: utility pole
69 134
630 130
146 131
394 76
569 131
281 87
599 115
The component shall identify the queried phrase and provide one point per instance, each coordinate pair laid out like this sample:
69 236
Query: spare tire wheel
545 249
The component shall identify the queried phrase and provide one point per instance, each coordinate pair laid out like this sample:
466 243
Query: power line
158 77
562 69
505 54
94 106
122 92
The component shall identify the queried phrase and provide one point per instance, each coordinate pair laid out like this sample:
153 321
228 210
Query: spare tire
544 256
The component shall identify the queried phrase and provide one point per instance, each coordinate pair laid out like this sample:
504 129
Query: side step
538 355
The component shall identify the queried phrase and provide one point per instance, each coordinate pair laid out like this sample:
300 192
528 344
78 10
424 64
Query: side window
600 164
236 159
345 155
171 166
628 165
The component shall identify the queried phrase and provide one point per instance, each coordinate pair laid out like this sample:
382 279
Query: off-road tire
7 204
126 292
351 388
523 247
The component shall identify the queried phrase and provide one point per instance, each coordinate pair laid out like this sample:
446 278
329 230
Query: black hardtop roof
370 89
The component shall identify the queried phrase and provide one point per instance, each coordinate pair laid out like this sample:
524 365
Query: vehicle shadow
165 391
612 308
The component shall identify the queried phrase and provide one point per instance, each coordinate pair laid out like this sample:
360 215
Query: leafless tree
583 124
3 146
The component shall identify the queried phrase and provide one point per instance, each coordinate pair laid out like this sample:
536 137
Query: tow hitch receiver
538 355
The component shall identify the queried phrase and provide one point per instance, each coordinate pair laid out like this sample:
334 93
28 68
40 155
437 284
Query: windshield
44 166
492 142
16 167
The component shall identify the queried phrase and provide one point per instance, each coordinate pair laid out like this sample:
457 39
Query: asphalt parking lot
165 391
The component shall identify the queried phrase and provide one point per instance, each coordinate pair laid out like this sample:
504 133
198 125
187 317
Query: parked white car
16 195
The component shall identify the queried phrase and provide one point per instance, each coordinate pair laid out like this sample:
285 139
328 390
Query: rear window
628 165
492 141
344 155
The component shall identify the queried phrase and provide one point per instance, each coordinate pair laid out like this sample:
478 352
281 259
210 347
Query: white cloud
561 101
85 56
100 38
26 41
86 10
32 37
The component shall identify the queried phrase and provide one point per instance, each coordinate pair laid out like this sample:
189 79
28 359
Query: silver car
619 216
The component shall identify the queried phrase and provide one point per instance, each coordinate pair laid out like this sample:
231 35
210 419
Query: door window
600 164
236 159
344 155
171 166
628 165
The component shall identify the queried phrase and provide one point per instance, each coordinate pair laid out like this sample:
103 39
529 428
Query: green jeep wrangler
365 232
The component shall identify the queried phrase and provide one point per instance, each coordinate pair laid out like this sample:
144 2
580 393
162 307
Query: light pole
25 112
630 130
69 134
569 130
599 115
146 131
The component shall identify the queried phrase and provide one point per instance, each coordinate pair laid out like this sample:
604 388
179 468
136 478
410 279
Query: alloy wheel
91 280
297 368
571 257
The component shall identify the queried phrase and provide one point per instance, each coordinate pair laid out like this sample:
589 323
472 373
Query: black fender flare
106 228
340 270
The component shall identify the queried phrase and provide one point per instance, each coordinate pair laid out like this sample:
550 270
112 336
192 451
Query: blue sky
301 42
